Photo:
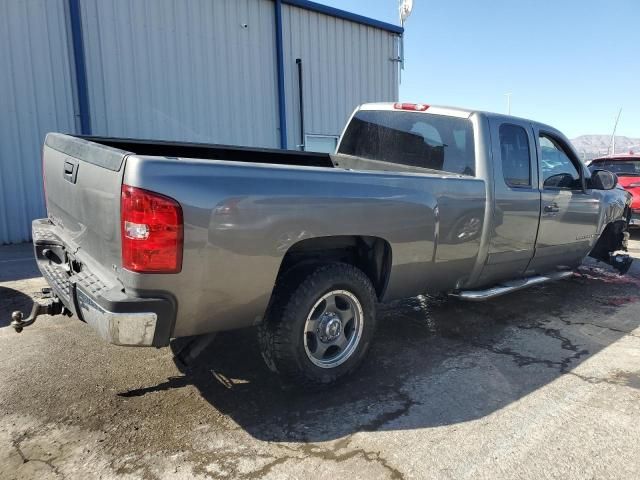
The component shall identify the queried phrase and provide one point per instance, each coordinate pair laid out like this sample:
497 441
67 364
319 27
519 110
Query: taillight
152 231
416 107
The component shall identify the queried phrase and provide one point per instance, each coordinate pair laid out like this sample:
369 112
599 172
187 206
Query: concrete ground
544 383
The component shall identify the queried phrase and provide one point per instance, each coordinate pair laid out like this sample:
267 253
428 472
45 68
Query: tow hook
51 306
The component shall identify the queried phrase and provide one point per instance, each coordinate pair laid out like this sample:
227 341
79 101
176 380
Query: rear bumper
118 318
635 219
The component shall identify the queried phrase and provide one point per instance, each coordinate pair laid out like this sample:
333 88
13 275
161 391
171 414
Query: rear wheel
320 326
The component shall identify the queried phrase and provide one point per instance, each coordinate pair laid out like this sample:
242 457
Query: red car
627 168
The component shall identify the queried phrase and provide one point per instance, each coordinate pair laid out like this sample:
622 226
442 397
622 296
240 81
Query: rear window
414 139
620 167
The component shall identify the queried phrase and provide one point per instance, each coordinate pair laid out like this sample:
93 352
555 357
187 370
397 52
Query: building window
320 143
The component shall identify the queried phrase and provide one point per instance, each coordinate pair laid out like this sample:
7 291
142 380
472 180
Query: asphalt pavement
543 383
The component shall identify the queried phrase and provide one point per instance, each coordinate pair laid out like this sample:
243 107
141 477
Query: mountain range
592 146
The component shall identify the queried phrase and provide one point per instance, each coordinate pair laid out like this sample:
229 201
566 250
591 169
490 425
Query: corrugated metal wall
344 64
197 70
193 70
36 97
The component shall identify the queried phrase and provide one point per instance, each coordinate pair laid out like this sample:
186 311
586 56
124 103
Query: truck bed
214 152
244 210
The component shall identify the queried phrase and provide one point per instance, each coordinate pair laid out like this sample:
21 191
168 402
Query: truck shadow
435 362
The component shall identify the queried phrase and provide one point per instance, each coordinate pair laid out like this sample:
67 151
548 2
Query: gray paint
36 97
240 219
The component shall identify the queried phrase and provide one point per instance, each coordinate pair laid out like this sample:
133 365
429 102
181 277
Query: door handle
551 208
70 171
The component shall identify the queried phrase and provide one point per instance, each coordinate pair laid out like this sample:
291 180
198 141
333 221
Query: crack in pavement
523 360
618 379
339 452
16 442
604 327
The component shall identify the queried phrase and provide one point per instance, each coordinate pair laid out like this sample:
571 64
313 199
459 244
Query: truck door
570 212
516 211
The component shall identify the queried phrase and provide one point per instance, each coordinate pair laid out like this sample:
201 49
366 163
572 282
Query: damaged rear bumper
118 317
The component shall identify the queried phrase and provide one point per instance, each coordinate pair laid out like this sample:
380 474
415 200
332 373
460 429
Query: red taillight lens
416 107
152 231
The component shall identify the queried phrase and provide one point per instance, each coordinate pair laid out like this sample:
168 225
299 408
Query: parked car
627 168
148 241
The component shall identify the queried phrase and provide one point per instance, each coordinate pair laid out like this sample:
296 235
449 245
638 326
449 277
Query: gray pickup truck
147 241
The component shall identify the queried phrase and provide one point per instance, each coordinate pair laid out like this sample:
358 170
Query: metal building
269 73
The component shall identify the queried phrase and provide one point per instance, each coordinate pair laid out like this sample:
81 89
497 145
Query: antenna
612 144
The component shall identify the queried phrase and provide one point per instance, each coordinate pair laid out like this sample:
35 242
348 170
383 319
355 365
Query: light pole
612 145
508 95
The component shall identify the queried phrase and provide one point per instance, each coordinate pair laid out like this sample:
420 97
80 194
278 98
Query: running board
508 287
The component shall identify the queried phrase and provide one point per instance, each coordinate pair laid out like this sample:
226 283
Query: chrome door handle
551 208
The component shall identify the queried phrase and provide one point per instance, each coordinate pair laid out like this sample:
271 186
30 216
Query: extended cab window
558 171
415 139
516 156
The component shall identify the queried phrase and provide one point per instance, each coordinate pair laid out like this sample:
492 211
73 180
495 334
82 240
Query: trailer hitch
51 306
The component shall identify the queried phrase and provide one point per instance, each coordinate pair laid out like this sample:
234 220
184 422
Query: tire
311 313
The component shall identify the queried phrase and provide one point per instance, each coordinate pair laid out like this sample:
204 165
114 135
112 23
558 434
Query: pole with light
405 8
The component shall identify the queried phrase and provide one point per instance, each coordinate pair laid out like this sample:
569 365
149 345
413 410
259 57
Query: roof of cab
450 111
433 109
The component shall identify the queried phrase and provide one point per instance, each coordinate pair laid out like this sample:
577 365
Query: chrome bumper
117 317
131 329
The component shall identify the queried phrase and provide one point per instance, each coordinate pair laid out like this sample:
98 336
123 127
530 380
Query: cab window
516 156
434 142
558 170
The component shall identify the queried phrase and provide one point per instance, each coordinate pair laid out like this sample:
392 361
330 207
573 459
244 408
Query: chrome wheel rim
333 329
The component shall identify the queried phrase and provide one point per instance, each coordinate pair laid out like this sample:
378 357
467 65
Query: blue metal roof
336 12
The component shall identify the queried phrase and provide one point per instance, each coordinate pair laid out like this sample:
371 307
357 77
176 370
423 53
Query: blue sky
568 63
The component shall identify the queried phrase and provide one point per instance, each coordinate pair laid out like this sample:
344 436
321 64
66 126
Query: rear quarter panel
240 220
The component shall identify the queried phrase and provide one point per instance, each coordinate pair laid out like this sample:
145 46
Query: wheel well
612 238
372 255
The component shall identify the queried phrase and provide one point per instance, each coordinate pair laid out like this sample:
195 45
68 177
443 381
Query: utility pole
613 135
508 95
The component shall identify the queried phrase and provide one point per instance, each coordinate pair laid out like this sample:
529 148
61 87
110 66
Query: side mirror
603 180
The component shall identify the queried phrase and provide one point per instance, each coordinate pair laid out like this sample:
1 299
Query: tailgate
82 188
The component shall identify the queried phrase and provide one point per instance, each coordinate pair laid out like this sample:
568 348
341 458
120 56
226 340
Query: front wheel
319 327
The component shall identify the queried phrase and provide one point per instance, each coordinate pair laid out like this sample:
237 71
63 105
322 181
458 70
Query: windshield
436 142
620 167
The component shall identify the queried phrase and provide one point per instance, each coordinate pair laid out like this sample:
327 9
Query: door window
516 156
558 171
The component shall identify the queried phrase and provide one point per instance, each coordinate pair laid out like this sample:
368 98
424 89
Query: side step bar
508 287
